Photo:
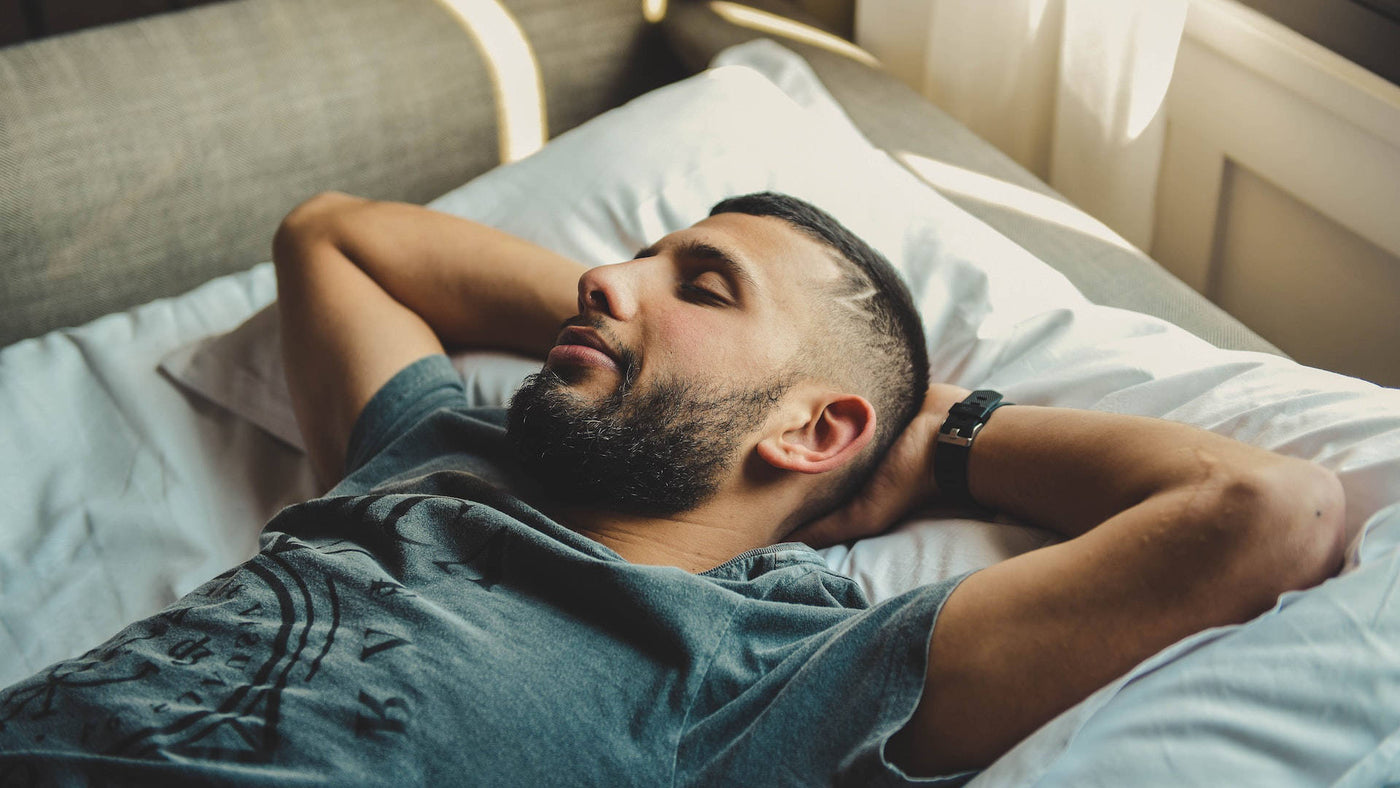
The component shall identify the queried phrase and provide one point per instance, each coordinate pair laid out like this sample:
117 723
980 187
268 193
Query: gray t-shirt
422 624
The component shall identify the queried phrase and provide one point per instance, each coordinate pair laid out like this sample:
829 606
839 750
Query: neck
695 541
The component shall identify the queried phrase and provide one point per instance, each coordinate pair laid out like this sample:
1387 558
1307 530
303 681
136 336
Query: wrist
953 445
939 399
942 397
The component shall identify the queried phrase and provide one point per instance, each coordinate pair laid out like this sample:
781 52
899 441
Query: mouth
583 347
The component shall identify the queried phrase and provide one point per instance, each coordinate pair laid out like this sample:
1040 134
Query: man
594 588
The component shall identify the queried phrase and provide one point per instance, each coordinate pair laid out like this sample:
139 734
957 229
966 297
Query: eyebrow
700 250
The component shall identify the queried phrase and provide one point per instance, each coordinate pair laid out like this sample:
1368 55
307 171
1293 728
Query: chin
586 383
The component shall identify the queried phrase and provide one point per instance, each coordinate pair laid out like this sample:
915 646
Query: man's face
664 379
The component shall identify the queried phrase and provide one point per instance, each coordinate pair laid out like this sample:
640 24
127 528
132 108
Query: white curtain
1071 89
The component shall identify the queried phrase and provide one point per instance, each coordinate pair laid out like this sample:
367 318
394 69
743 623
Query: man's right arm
366 288
1173 530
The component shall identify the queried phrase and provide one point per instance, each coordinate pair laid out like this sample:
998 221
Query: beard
654 452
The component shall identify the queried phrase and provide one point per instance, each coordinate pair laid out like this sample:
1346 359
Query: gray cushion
142 159
895 118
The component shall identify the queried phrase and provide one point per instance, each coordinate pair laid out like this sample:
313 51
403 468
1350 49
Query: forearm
472 284
1025 639
1070 470
1176 530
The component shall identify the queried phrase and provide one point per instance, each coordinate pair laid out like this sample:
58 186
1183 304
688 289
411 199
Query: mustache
628 361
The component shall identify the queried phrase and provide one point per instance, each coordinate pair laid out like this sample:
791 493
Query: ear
831 432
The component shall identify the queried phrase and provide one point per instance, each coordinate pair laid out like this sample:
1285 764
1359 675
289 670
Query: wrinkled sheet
121 492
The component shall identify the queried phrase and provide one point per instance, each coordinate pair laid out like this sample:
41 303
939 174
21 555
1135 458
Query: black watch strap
954 445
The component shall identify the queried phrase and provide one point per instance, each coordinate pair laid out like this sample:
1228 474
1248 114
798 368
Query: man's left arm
1172 530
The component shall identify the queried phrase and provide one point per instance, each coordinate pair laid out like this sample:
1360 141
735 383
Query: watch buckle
956 438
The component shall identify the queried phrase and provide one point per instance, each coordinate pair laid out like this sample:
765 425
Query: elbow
311 220
1295 534
1323 537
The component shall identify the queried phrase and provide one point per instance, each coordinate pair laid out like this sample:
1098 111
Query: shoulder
422 421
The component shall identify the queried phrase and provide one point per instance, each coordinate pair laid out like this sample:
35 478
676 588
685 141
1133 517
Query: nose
610 289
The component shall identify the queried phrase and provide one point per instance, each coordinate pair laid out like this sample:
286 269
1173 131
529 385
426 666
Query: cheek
707 342
689 336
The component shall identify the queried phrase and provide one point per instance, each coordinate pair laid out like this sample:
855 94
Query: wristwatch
954 444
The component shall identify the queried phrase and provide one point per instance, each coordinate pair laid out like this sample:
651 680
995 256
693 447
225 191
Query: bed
143 450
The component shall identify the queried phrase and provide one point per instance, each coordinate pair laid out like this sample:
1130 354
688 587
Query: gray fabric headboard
141 159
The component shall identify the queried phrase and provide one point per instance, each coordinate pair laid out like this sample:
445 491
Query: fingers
839 526
900 482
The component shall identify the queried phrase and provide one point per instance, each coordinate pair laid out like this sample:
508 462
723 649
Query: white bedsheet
1307 694
121 492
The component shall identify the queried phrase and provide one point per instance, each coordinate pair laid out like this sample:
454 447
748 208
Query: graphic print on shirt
207 677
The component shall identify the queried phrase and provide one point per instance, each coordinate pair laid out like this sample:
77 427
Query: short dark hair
879 342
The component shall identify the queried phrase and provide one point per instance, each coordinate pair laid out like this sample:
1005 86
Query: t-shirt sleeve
416 391
816 708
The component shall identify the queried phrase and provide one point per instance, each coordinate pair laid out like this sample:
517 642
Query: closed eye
695 292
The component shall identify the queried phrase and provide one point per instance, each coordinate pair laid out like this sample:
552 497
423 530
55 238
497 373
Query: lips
583 346
587 338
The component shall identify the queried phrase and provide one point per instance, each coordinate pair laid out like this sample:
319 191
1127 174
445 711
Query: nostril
601 291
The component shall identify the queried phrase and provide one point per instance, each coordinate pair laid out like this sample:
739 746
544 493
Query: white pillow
242 372
619 182
995 316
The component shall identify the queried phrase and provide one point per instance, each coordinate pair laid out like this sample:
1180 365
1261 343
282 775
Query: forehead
782 261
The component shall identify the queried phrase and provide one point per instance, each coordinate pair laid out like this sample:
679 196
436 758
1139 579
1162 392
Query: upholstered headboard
141 159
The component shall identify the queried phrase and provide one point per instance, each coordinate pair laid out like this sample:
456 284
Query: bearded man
602 586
